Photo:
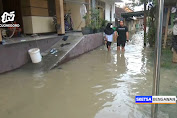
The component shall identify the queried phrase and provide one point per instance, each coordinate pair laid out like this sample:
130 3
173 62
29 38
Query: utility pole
156 76
145 23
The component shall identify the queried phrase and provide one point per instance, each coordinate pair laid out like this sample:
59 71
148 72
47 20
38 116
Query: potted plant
103 24
95 21
88 28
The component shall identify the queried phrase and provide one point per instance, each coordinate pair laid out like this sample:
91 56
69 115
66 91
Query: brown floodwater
98 84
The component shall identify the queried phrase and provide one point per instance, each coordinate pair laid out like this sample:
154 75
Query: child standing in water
109 35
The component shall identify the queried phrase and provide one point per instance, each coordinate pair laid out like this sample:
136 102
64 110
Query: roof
127 9
131 14
119 11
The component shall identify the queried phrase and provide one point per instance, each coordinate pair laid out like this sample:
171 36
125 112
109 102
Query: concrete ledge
88 43
78 44
16 55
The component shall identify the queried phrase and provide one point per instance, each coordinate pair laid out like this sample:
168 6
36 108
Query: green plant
103 23
152 26
166 59
95 21
86 18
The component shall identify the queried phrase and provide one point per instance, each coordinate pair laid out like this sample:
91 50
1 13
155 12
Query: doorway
14 5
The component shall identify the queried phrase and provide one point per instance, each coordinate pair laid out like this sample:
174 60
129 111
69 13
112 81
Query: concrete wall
38 24
88 43
16 55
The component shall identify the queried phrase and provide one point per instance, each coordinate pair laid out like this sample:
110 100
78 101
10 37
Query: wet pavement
99 84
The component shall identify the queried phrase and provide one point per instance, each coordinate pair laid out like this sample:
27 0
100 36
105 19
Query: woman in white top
109 34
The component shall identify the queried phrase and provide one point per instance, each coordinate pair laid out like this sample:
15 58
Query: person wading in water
109 35
122 36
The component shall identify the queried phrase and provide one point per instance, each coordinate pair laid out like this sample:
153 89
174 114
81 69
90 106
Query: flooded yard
98 84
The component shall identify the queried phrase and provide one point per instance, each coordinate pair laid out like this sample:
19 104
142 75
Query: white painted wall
37 24
107 11
78 23
113 12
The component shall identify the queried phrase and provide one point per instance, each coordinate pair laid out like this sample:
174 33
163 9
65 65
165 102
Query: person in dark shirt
122 36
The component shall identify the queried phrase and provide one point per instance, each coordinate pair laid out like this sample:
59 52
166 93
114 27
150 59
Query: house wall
38 24
170 26
0 36
1 7
34 7
36 17
132 24
1 11
113 12
88 43
74 9
107 11
16 55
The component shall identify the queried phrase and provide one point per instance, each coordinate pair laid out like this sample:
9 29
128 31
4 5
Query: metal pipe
156 76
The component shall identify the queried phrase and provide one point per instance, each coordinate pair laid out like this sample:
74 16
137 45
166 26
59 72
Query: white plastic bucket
35 55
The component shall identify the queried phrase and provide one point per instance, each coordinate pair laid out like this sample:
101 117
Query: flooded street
98 84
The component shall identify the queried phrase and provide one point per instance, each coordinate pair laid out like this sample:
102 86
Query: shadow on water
99 84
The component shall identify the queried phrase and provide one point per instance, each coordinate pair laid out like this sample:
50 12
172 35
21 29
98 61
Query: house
119 11
134 20
170 12
36 16
106 9
170 19
127 9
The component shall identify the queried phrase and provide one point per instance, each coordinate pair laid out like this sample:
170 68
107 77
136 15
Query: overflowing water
99 84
